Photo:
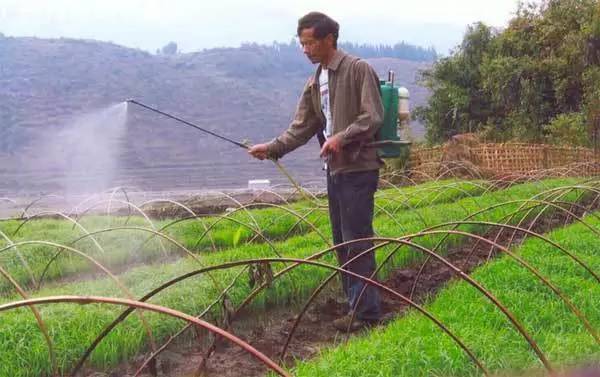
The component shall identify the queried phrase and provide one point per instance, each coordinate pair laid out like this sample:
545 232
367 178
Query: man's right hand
258 151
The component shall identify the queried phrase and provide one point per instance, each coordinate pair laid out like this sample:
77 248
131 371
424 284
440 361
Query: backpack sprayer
395 104
396 111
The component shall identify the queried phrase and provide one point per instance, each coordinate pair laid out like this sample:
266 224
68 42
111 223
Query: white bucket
259 184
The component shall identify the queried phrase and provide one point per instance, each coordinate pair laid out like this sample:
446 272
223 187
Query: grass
73 327
125 247
413 346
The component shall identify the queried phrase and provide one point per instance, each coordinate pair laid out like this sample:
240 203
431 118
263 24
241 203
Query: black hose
187 123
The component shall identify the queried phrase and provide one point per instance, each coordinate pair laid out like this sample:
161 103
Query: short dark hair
322 23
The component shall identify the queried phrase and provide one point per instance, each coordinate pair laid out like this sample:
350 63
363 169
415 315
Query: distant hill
245 93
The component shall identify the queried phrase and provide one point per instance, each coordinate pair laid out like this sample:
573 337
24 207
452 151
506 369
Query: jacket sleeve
370 117
304 126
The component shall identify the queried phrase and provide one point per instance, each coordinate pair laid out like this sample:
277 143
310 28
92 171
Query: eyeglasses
309 43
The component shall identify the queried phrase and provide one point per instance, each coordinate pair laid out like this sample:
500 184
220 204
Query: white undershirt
325 107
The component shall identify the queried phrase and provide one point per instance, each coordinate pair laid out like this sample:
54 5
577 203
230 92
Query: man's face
315 49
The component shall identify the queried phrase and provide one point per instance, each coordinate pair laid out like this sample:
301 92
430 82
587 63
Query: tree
568 129
169 49
458 103
515 83
401 50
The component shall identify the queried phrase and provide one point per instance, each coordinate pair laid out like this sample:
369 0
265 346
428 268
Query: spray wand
242 145
237 143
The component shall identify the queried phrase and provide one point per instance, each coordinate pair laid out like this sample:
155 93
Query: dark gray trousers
351 214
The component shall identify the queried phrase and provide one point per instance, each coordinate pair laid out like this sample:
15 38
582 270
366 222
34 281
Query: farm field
250 259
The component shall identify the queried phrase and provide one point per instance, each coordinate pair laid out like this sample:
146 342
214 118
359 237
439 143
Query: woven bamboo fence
510 158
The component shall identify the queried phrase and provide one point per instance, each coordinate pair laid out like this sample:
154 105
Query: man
342 105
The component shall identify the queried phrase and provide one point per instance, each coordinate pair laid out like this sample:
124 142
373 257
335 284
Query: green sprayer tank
389 129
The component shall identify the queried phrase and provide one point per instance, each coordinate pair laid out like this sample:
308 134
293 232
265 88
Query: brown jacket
356 110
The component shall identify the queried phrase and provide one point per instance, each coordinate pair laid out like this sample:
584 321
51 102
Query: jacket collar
333 65
337 58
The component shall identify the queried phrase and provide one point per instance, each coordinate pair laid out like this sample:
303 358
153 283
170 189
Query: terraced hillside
48 85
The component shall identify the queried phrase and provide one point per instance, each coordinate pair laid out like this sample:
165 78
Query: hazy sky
197 24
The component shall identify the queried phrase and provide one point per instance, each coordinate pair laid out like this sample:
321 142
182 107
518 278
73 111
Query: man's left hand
332 146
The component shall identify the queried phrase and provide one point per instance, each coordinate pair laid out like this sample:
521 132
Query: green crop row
73 327
122 247
414 346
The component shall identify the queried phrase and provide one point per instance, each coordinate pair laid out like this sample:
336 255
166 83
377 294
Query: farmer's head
318 35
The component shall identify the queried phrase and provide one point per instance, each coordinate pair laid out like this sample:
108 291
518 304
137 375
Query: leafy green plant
568 129
237 235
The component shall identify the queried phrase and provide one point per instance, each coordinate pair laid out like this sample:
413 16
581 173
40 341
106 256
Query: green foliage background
537 80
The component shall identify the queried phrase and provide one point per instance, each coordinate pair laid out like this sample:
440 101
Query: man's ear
329 40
